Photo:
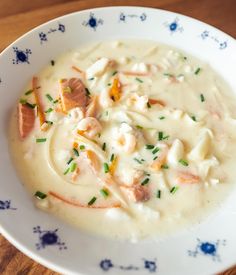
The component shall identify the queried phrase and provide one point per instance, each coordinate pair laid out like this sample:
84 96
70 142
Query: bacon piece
72 93
186 177
26 119
136 192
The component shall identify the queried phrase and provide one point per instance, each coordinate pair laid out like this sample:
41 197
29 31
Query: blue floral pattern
43 36
93 22
6 205
207 249
21 56
221 44
148 265
48 238
124 17
174 26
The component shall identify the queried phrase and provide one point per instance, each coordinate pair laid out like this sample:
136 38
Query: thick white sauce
198 118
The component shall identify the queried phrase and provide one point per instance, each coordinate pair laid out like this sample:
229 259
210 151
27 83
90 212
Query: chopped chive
52 62
55 101
137 160
73 166
142 160
112 157
109 84
155 157
23 101
81 147
49 97
197 71
87 92
193 118
104 146
161 117
92 78
76 152
106 167
29 92
202 97
144 182
67 171
139 127
69 161
40 195
39 140
147 174
160 135
99 135
104 192
114 73
149 105
165 166
183 162
174 189
139 80
49 110
32 106
169 75
49 122
155 150
158 194
92 201
149 146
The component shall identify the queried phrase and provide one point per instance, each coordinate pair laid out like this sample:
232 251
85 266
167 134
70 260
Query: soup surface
126 139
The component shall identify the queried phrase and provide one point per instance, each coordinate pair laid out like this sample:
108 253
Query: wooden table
18 17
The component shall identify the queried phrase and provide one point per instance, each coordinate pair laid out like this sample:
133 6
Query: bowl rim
12 239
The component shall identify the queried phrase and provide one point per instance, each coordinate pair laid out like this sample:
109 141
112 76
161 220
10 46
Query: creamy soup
126 139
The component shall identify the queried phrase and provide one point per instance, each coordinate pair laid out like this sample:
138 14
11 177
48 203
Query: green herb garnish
76 152
32 106
158 194
168 74
161 117
92 78
197 71
92 201
23 101
155 150
81 147
29 92
144 182
112 157
149 146
183 162
155 157
138 161
174 189
193 118
49 110
40 195
139 127
202 97
87 92
165 166
66 171
104 146
114 73
49 97
104 193
55 101
106 167
139 80
52 62
70 160
161 136
73 167
39 140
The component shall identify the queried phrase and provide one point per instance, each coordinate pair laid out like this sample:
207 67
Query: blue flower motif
106 264
92 22
21 56
43 37
61 27
123 17
6 204
207 249
150 265
48 238
174 26
206 35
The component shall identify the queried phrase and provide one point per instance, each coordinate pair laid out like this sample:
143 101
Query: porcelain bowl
207 248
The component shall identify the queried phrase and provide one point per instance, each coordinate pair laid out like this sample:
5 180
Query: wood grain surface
19 16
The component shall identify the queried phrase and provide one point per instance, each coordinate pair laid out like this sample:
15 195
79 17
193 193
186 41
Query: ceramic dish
207 248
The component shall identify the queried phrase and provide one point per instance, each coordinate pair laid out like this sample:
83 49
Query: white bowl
207 248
